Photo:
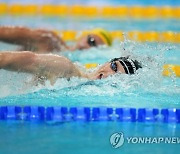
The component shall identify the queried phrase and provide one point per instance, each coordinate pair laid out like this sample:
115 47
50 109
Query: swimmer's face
88 41
108 69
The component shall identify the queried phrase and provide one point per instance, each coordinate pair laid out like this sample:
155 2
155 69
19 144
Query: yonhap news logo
118 139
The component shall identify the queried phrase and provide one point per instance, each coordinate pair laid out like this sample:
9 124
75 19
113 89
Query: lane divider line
140 36
91 11
86 114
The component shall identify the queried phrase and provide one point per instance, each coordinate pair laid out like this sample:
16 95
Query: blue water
123 24
44 138
146 89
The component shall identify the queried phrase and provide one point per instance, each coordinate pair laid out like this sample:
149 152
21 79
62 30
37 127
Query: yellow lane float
168 69
91 11
141 36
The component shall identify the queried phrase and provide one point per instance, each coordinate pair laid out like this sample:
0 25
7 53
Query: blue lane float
64 114
150 115
10 112
126 114
33 113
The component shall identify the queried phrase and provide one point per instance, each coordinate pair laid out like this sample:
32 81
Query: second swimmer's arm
16 35
39 39
47 65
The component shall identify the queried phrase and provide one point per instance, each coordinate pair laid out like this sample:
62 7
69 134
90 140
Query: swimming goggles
91 41
113 66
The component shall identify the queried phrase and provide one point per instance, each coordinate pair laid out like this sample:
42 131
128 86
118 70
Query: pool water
124 24
80 137
146 89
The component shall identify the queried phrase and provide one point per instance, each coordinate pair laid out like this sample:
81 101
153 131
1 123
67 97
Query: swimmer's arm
41 40
15 35
47 65
17 61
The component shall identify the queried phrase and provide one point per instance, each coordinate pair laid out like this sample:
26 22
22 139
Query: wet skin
105 70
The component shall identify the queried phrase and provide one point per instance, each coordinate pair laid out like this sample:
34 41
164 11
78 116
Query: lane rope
91 11
140 36
66 114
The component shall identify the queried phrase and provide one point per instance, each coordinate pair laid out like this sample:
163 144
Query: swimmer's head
122 65
93 38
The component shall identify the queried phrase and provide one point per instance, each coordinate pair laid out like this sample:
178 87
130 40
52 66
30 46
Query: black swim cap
130 66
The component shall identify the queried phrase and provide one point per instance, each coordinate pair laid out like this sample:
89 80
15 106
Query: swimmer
45 41
51 66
